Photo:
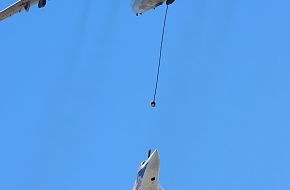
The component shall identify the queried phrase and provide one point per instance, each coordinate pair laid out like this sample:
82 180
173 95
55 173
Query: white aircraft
148 173
140 6
19 6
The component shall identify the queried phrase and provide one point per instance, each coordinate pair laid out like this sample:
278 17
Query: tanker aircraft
20 6
140 6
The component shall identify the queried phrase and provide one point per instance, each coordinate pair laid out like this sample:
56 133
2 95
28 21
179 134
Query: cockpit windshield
140 176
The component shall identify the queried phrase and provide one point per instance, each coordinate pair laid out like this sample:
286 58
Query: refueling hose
153 103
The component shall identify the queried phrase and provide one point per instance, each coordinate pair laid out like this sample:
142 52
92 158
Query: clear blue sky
77 77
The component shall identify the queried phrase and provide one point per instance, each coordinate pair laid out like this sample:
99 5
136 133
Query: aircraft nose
154 159
155 155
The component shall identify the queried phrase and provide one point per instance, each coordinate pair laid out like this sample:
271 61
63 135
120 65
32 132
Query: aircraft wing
16 8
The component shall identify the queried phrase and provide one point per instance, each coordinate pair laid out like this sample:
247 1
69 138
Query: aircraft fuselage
148 174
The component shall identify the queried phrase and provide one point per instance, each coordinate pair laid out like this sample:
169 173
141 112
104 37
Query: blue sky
77 77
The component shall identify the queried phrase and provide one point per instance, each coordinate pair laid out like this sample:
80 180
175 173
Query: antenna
149 153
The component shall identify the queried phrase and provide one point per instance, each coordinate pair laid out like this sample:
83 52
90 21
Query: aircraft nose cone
155 155
154 160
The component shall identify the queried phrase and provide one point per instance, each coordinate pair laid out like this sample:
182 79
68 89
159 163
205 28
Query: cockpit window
142 171
140 176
